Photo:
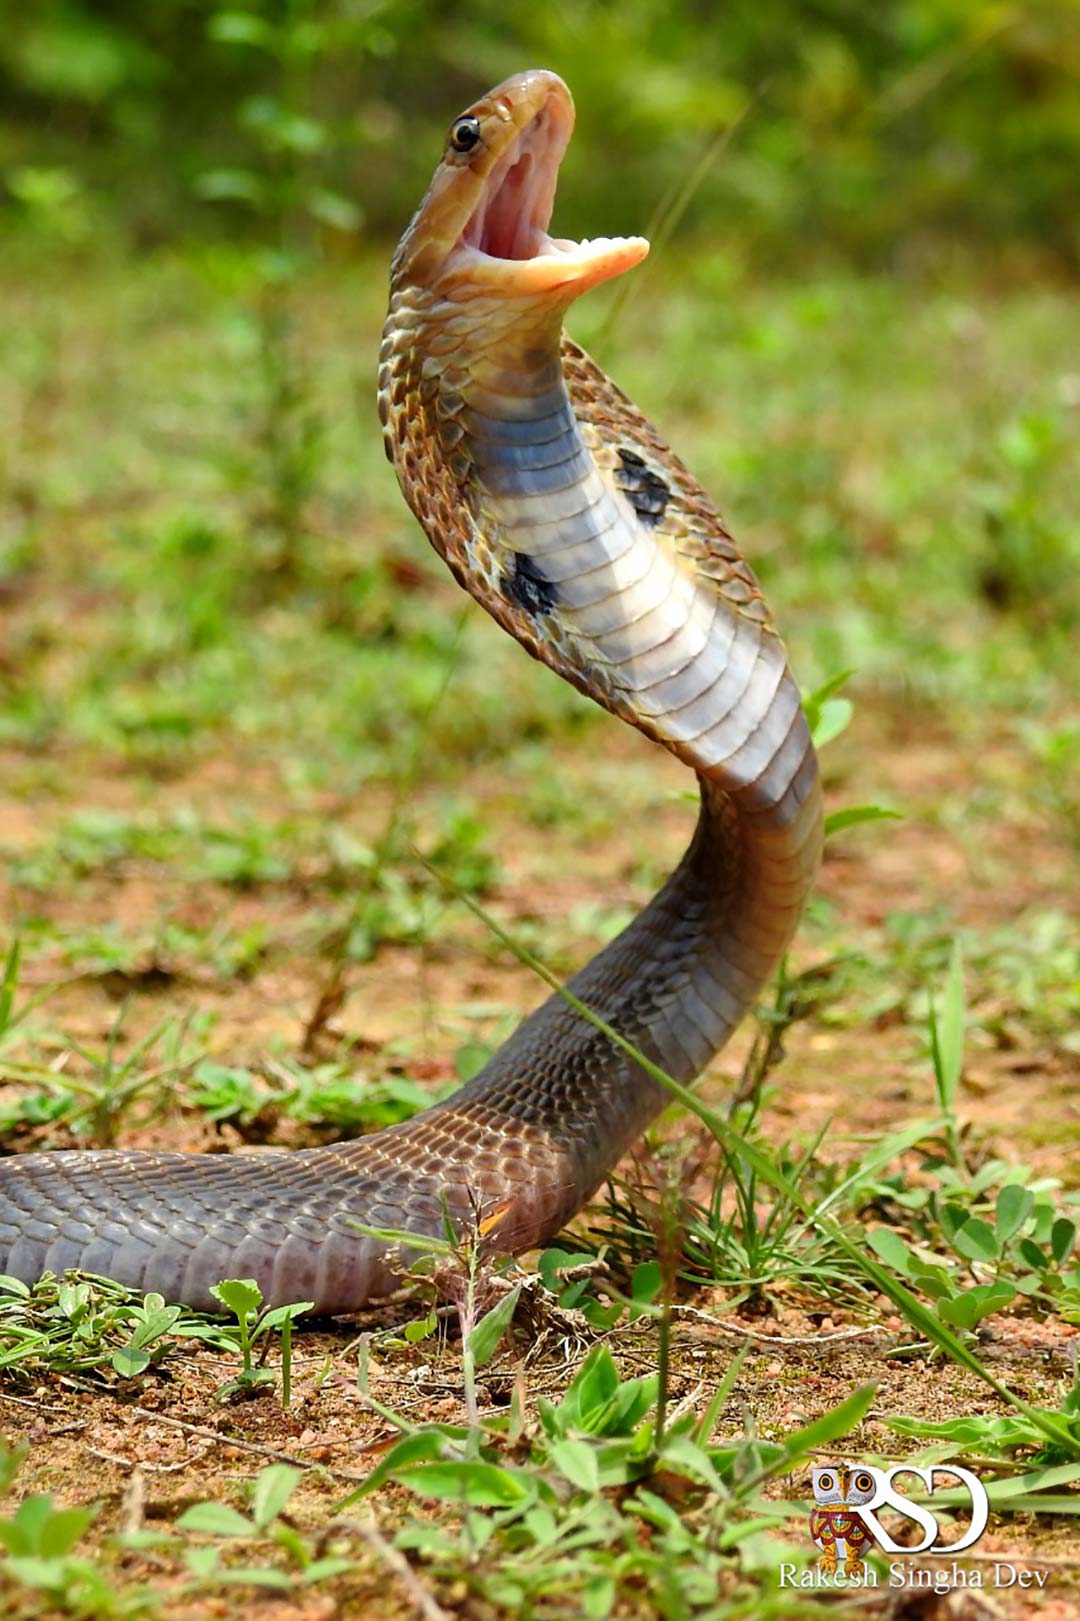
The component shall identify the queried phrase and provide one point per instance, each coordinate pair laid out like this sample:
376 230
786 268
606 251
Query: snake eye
464 133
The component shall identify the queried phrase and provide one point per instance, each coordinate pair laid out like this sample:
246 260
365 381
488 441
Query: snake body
561 510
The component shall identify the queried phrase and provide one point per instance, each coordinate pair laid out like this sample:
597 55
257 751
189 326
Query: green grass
234 771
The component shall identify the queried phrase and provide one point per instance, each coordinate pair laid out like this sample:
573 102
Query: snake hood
482 228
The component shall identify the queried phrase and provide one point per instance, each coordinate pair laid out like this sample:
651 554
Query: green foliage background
877 129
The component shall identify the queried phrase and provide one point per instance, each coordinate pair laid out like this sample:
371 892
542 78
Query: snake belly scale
556 504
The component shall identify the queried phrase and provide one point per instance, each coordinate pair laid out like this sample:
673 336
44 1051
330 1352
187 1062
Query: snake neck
559 508
473 402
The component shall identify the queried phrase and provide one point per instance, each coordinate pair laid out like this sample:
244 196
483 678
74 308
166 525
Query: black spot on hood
644 489
528 587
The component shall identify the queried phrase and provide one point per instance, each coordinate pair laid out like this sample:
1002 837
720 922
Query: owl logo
835 1522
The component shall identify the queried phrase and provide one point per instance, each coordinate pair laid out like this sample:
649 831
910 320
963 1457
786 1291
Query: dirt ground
146 1459
145 1452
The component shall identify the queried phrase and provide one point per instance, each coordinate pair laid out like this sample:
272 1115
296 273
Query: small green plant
552 1511
77 1324
947 1049
1002 1435
1057 755
8 987
1022 1250
94 1103
38 1542
456 1266
829 715
557 1268
333 1097
265 1521
1025 564
115 1084
243 1297
244 855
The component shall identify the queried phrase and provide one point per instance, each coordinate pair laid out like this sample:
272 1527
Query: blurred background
235 683
892 134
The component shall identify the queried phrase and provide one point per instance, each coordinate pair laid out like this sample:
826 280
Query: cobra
558 506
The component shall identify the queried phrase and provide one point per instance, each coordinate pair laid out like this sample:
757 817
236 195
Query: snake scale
560 509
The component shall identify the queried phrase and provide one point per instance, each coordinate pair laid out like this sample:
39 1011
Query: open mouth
506 238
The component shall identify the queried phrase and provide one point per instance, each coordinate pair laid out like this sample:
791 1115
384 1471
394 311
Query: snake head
482 227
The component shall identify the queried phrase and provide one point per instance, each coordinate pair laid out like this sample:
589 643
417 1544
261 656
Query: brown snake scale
560 509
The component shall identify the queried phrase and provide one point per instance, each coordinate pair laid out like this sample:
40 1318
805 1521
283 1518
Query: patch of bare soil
146 1453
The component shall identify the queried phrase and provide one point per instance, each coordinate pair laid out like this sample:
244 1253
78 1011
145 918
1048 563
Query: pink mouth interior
510 221
505 244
